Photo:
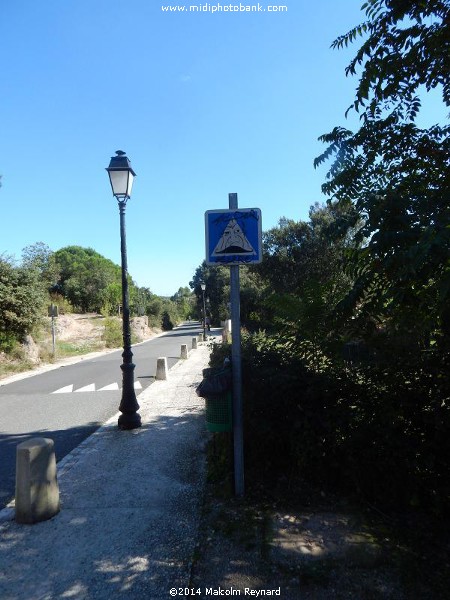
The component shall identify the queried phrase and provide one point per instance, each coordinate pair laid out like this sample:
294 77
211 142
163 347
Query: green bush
22 300
167 322
112 334
8 342
64 306
382 433
154 321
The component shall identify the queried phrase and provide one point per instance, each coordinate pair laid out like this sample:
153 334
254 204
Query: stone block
184 351
194 343
37 491
161 368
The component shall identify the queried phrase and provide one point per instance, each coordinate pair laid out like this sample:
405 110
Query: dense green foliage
377 432
217 294
76 279
88 280
395 174
348 384
39 258
183 304
21 302
113 333
93 283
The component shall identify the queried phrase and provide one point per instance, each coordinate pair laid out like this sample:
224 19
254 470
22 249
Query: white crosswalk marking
109 388
87 388
65 390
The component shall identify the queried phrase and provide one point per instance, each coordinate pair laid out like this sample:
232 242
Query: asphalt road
68 404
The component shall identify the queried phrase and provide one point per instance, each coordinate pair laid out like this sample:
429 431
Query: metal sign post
236 361
234 237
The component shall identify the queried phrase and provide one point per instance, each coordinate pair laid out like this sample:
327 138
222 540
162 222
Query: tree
217 293
184 301
396 174
295 252
86 277
21 301
112 299
301 280
153 307
40 258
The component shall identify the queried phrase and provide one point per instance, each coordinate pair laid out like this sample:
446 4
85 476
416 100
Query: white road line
110 387
91 388
87 388
65 390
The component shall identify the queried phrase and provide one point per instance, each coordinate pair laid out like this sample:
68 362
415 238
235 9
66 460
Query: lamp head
121 175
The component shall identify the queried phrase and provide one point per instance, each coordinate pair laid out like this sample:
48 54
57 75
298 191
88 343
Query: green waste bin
218 412
218 405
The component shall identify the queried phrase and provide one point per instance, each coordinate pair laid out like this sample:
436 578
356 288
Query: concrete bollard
194 343
226 331
200 337
184 351
37 491
161 368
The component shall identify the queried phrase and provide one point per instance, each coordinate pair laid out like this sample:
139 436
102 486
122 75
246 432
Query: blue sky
203 103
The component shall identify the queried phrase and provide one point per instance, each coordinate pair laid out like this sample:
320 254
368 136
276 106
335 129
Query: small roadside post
234 237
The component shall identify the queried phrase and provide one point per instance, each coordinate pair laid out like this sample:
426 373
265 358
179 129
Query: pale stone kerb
161 368
37 492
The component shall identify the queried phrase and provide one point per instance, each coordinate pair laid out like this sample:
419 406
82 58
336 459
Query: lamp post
121 178
203 286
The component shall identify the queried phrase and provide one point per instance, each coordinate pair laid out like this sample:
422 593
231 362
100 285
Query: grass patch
8 368
112 334
68 349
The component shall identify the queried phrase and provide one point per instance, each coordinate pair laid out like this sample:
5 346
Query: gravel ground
328 550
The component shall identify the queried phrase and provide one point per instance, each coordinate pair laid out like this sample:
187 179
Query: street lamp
203 286
121 178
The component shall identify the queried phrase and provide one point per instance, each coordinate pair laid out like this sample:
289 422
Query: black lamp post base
129 421
130 418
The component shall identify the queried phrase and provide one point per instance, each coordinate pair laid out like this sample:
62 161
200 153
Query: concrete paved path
130 506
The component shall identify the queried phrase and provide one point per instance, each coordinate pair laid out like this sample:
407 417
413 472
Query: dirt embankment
75 334
90 327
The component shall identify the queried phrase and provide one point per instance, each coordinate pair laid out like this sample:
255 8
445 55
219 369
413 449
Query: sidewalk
130 505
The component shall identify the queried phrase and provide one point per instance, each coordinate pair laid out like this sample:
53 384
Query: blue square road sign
233 236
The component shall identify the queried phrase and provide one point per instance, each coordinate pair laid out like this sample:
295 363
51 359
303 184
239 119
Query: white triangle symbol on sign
233 241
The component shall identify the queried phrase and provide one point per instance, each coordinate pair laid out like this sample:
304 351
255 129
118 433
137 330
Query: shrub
21 299
381 432
64 306
112 334
167 323
8 342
